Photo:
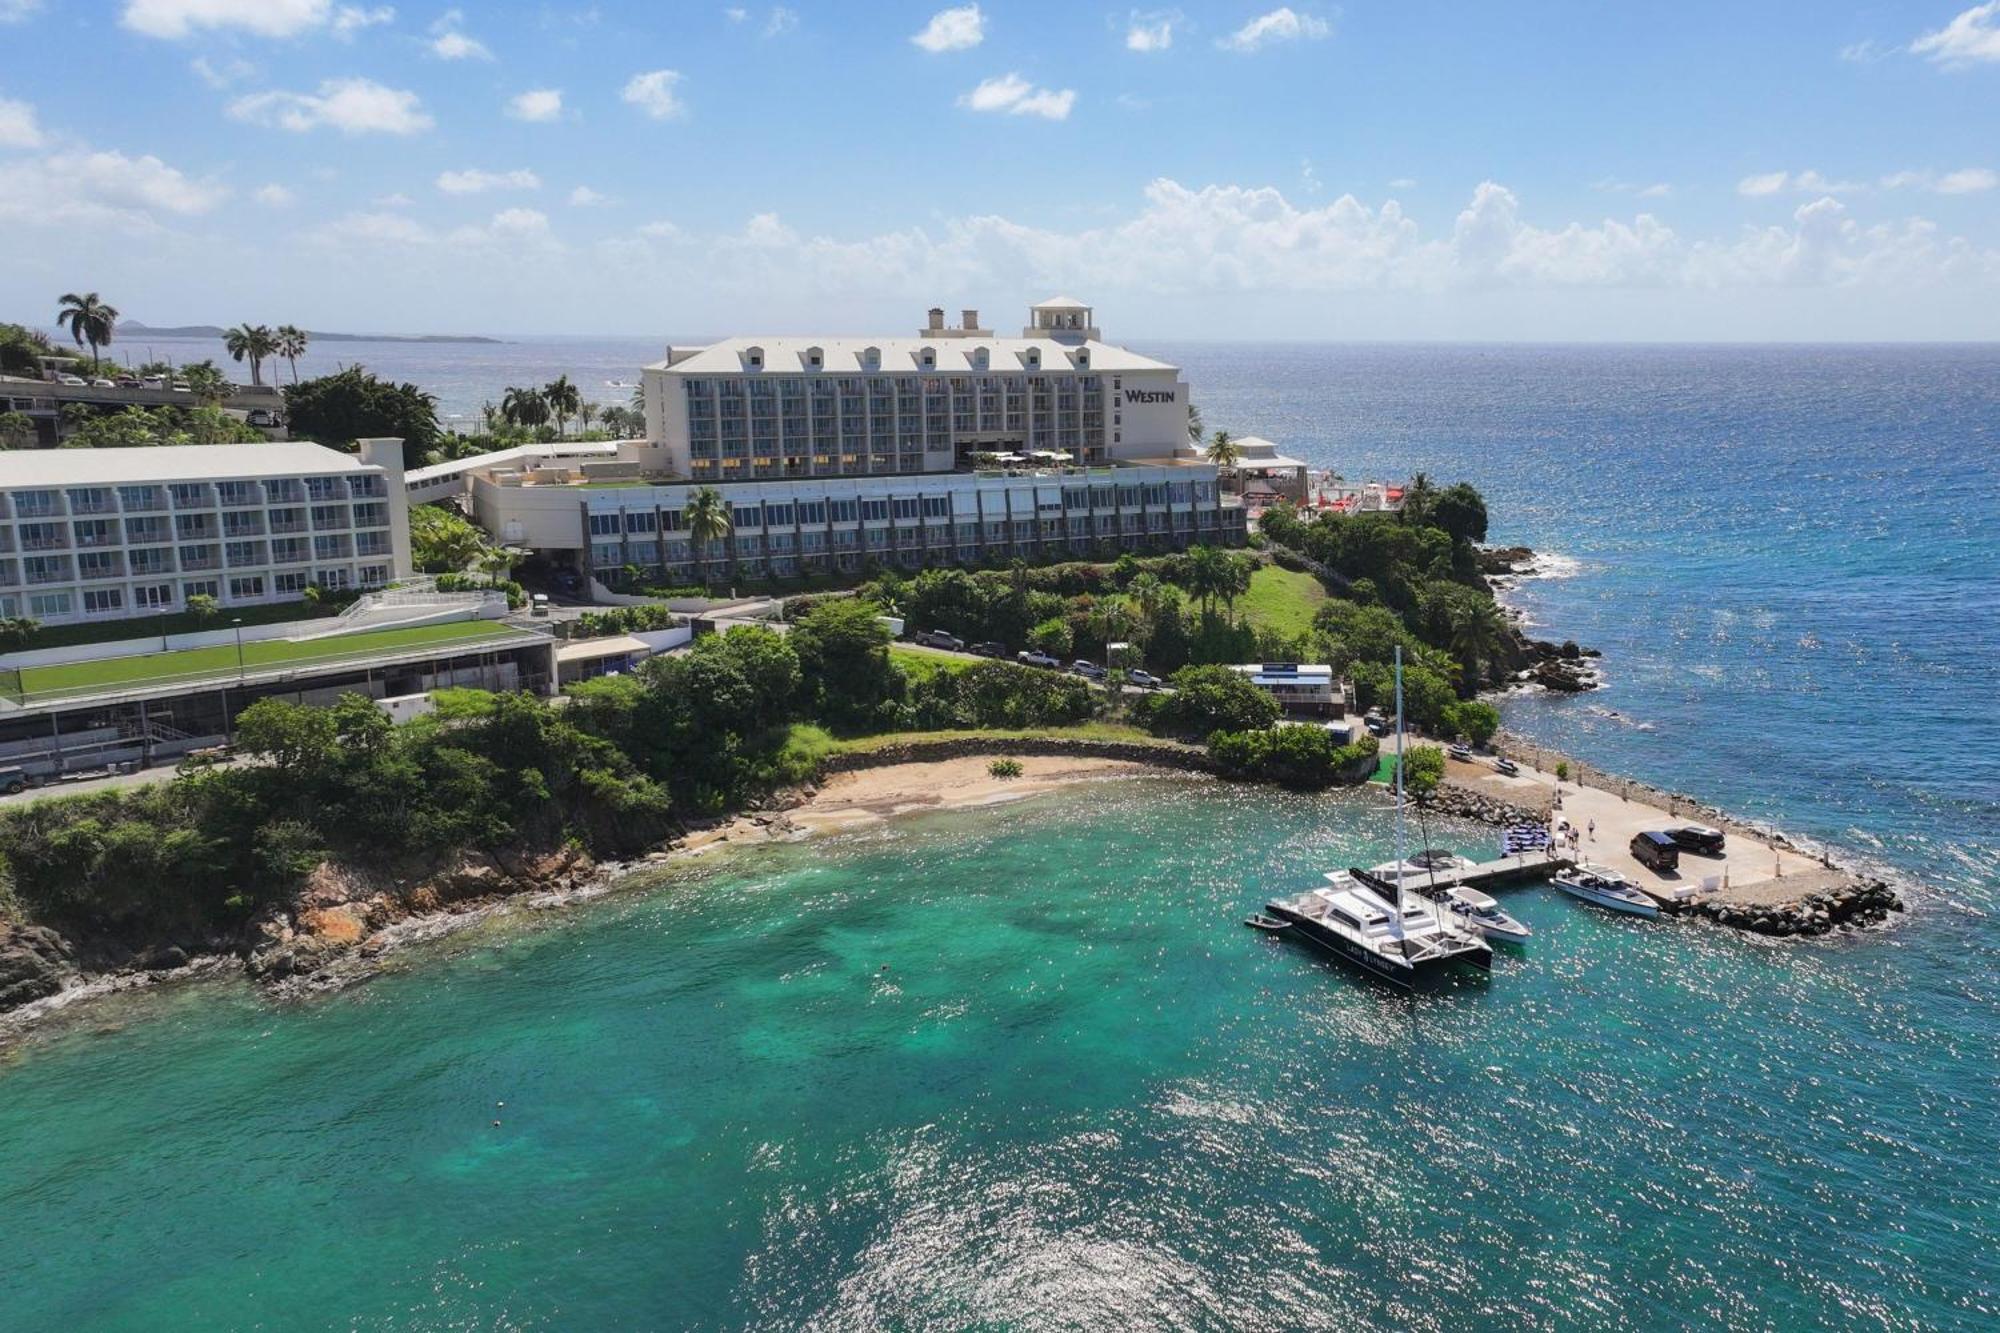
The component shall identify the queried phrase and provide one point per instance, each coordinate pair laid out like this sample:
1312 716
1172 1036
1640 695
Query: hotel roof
170 462
842 356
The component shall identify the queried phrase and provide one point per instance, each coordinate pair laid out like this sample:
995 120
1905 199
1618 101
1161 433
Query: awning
590 650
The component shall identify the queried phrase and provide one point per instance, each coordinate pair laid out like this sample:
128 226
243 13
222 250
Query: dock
1506 873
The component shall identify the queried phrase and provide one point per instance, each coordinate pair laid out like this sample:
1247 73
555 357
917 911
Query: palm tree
291 345
205 382
1194 425
584 413
707 518
1208 574
1223 451
88 320
563 400
524 407
1478 631
1418 498
253 342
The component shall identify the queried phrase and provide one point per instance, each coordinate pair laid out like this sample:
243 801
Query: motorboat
1606 888
1480 910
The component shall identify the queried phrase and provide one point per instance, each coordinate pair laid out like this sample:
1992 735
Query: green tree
1194 425
1478 635
206 382
1474 719
1211 698
88 320
1461 511
1418 498
17 632
1423 770
1208 575
338 409
1053 637
524 407
251 342
443 541
563 400
290 343
1224 452
843 649
300 742
17 430
708 522
203 608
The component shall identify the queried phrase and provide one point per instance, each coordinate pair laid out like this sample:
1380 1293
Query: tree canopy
351 404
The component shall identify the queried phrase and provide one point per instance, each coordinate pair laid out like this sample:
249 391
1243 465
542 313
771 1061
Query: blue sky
1243 170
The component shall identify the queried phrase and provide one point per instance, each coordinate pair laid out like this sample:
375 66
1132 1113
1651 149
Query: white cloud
520 222
1966 180
101 188
1802 182
350 19
18 128
537 104
656 93
174 19
17 11
1150 32
1865 52
449 40
221 74
1970 39
781 21
475 181
371 229
274 196
352 106
735 15
585 197
394 201
1403 183
953 30
1280 25
1017 97
1657 190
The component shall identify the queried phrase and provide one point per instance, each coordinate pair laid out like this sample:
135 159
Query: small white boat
1606 888
1488 917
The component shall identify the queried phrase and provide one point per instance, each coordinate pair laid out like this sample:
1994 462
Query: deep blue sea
1081 1095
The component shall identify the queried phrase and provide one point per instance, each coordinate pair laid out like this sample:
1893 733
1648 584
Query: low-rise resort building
108 534
955 446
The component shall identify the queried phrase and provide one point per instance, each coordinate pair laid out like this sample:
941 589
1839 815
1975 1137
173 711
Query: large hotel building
104 534
953 446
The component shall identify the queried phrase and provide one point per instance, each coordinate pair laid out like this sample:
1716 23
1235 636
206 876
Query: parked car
1145 680
1462 753
181 386
13 779
102 384
76 380
1377 724
127 382
988 648
1088 670
1036 657
1697 838
1657 851
1507 766
937 638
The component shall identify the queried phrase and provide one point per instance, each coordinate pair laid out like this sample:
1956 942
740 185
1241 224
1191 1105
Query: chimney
971 320
937 318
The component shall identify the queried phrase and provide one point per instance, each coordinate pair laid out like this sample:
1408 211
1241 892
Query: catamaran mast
1399 790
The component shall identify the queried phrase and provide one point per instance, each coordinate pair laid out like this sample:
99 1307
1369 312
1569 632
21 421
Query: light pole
238 624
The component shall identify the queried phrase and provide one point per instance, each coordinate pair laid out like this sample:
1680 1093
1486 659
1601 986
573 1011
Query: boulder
34 962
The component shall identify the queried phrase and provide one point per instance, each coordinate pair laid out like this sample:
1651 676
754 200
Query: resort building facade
832 454
108 534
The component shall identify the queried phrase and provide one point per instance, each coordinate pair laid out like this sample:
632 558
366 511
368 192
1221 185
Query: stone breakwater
1463 802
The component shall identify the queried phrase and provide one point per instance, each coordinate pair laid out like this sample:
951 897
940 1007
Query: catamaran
1606 888
1404 939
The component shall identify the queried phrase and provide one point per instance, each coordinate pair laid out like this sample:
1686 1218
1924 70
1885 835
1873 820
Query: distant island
132 328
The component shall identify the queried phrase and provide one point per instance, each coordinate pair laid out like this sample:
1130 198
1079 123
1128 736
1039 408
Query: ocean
1081 1095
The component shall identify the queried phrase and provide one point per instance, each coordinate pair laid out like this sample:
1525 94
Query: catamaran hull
1402 975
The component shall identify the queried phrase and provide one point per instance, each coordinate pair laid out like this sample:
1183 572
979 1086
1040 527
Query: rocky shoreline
1566 667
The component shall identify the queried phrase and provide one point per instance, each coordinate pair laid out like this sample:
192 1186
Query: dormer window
927 358
1034 358
871 358
979 358
815 358
1083 358
753 357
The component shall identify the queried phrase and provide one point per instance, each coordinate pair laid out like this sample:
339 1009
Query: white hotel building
955 446
103 534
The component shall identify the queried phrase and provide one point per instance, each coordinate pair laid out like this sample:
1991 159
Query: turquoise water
1022 1068
1083 1096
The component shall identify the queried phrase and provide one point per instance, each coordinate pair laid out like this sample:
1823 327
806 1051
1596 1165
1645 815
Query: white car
77 380
102 384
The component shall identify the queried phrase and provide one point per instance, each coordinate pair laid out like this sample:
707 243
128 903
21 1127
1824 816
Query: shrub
1304 757
1474 719
1208 699
1005 768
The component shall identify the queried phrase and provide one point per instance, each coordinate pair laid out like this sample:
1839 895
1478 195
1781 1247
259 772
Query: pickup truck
1035 657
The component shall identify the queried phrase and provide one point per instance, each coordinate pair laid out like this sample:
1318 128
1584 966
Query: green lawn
177 622
1281 600
198 663
923 663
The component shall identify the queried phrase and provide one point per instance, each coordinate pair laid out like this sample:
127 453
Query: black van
1657 851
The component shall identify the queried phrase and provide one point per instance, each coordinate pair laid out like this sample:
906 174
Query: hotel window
371 543
325 488
90 500
197 557
641 520
746 515
1156 493
875 511
152 562
249 586
285 491
334 579
200 588
242 525
374 576
100 565
153 596
368 486
188 494
371 515
329 516
607 555
236 492
44 605
1204 491
45 569
194 526
291 581
288 520
670 520
43 537
35 504
777 515
1128 497
139 499
605 525
240 554
330 548
937 506
290 551
845 511
811 512
1180 492
103 599
906 506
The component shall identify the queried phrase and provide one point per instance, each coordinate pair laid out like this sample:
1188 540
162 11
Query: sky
1378 169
